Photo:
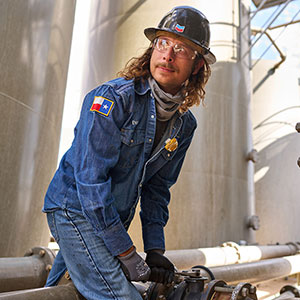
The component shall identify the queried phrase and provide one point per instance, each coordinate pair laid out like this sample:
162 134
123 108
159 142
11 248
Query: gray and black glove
162 270
134 267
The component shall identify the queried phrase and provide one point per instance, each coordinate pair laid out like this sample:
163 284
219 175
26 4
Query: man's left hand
162 270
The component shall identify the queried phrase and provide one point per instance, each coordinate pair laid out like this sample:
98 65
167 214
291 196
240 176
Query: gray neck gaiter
166 104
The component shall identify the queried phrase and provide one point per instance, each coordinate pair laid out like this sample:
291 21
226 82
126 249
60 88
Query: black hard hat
189 23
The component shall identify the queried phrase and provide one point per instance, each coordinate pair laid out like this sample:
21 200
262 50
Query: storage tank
35 45
276 111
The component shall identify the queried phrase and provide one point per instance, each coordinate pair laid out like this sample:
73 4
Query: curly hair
138 68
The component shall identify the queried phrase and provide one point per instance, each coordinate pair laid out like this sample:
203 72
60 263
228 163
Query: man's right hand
133 266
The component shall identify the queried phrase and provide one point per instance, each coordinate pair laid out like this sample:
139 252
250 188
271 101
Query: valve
191 285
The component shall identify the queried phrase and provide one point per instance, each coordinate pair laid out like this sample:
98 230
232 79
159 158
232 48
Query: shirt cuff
116 239
153 237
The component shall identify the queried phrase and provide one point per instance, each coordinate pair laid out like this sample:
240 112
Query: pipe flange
295 245
290 288
234 246
243 291
43 253
210 290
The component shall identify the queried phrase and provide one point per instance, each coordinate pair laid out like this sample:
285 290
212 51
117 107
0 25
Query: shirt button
150 140
152 116
141 185
131 141
169 154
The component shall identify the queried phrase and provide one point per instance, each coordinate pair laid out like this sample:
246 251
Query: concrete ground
270 289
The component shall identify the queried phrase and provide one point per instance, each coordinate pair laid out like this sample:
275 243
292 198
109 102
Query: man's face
172 62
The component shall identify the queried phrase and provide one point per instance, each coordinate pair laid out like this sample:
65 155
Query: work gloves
156 268
162 270
133 266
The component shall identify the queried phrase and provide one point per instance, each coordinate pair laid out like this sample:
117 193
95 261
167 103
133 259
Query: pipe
282 56
61 292
288 292
30 271
258 271
229 253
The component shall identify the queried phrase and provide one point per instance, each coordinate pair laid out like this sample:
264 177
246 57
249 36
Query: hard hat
189 23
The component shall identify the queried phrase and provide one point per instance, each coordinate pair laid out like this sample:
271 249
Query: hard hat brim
151 33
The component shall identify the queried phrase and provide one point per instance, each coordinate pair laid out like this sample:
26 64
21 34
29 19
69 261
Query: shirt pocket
168 155
132 145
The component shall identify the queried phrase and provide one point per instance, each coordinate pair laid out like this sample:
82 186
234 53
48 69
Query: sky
287 38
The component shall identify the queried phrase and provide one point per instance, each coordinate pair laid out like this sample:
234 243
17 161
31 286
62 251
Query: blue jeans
94 271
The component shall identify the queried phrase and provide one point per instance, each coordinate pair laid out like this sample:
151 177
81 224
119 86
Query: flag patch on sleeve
102 105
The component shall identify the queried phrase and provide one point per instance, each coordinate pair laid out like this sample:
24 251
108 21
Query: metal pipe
30 271
282 56
251 46
258 271
254 14
288 292
285 24
229 253
62 292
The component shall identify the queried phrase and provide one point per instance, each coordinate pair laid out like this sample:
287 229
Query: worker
129 146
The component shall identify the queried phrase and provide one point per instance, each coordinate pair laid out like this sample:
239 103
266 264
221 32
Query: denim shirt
110 166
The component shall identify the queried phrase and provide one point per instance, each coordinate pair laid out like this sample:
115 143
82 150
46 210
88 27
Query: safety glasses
163 44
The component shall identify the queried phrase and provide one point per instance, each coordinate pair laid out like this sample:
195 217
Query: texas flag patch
102 105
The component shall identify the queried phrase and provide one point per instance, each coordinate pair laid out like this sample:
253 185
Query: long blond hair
138 68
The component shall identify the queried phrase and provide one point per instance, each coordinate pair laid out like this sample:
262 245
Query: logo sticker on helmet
179 28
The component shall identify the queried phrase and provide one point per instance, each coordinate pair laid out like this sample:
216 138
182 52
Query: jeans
94 271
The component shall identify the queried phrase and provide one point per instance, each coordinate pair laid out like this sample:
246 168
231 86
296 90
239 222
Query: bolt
253 156
42 253
28 252
48 268
252 289
298 127
244 292
67 275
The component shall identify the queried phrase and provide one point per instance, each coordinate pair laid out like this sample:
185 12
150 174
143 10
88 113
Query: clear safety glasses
163 44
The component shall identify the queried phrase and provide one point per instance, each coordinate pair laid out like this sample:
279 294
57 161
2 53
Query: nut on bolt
252 156
48 268
244 292
252 289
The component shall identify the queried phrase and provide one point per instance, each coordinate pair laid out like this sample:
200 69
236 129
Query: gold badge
171 144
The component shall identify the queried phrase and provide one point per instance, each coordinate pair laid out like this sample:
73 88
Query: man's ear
198 65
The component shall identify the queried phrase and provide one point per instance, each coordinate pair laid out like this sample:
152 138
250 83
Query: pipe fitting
30 271
253 156
292 289
253 222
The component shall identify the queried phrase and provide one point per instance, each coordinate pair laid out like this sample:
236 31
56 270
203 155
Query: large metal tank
213 198
276 110
34 54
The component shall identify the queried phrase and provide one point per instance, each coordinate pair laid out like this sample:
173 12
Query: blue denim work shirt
110 165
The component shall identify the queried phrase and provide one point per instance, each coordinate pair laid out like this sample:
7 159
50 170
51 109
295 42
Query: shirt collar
142 87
